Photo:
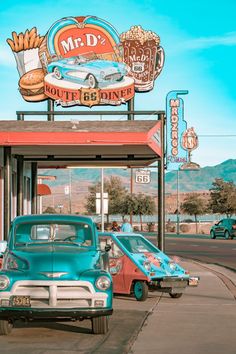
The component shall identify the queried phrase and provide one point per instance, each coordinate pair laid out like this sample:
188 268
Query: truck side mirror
107 248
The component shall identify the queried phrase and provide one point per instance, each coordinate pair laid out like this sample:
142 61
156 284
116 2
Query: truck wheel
5 327
100 325
213 234
140 290
175 295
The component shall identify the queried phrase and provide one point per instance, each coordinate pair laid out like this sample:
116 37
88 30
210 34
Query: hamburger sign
84 61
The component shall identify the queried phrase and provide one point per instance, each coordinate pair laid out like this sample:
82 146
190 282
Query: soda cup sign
144 56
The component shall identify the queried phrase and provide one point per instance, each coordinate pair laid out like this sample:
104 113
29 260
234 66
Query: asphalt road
202 248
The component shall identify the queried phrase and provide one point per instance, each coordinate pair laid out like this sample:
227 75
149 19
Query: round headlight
103 283
102 74
4 282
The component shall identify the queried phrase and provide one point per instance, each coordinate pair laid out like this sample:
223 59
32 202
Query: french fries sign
84 61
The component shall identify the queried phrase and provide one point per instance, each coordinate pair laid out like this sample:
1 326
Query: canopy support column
20 185
34 187
7 189
161 187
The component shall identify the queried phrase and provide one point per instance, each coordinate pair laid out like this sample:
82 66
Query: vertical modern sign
176 155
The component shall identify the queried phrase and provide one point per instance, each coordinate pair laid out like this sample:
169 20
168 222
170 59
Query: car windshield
69 233
136 244
81 59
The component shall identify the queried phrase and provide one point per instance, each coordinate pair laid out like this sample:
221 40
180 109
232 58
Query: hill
82 178
188 180
202 179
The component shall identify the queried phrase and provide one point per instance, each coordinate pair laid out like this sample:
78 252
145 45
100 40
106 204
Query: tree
144 205
128 205
117 194
193 204
50 210
223 197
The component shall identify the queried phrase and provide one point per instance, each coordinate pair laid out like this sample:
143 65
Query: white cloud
229 39
6 56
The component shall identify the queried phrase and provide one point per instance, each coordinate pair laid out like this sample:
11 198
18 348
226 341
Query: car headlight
4 282
102 74
172 265
103 283
147 266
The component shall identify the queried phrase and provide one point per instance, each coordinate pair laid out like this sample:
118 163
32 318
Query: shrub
184 228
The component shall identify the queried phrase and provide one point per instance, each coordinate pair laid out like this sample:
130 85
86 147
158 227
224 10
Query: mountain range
189 181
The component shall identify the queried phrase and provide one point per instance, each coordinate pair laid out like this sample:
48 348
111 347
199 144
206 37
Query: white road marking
172 243
214 247
195 245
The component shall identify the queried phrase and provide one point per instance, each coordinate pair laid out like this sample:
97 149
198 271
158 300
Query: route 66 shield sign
89 96
143 177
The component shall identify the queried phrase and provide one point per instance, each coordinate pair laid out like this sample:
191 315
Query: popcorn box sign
84 61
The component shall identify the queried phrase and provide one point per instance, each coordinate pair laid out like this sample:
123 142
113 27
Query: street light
189 142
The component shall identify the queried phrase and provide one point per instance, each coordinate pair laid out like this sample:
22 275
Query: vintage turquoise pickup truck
53 269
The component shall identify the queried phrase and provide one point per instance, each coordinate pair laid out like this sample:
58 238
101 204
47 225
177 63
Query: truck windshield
35 233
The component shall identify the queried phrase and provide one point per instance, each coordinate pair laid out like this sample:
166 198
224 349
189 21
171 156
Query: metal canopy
83 143
50 144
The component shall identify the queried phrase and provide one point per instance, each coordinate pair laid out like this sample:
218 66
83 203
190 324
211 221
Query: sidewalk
202 321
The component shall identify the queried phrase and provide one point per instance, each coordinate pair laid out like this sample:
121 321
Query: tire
227 235
57 73
213 236
175 295
140 290
100 325
92 82
5 327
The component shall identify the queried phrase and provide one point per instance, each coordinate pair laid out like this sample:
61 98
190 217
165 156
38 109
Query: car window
115 251
72 61
30 233
136 244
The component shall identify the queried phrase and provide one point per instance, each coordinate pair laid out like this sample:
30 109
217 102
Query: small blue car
88 70
138 266
225 228
53 270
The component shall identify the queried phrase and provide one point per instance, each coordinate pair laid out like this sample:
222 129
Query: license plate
193 281
20 301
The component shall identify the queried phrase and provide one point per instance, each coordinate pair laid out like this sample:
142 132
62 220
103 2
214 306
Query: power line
218 136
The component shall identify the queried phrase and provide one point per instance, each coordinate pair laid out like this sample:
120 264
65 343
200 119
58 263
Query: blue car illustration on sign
88 70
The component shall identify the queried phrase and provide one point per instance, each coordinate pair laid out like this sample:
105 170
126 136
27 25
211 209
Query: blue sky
199 39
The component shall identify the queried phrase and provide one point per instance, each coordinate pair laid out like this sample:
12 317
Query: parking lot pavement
76 337
203 320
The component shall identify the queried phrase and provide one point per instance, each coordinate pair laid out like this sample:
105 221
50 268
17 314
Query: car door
220 228
116 263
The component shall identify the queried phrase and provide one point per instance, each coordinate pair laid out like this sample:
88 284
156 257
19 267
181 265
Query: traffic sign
142 176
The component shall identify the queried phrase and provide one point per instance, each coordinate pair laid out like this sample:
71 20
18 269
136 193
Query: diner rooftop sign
84 61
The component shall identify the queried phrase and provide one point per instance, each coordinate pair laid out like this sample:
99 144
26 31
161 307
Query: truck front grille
58 294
